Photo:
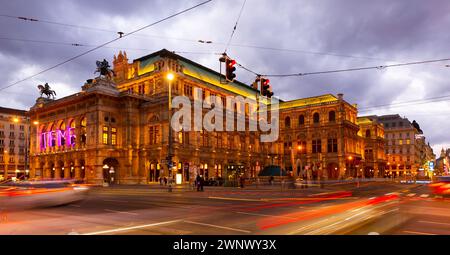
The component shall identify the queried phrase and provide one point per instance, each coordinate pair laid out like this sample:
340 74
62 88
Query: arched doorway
333 171
368 172
110 170
52 170
83 170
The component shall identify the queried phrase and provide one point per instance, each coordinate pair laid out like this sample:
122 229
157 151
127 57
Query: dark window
301 120
332 145
400 124
316 146
316 117
368 133
332 116
287 122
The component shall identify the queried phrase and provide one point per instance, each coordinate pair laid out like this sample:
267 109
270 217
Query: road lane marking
411 194
119 201
217 226
432 222
131 228
424 195
237 199
266 215
78 206
418 233
114 211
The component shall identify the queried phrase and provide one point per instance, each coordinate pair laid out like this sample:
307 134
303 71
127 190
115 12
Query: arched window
83 131
62 132
287 122
368 133
301 120
72 135
316 117
332 116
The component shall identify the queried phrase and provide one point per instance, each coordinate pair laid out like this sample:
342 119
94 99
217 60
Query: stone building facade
372 134
14 133
118 130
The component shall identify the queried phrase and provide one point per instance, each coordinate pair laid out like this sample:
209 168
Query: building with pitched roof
117 130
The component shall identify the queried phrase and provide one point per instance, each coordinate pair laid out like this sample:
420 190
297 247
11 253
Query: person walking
197 182
202 182
165 181
242 181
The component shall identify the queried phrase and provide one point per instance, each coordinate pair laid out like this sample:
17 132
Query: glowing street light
170 76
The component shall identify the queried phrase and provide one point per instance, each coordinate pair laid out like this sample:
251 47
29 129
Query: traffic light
264 86
230 75
266 89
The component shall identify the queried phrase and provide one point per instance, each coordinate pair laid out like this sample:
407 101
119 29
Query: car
20 195
441 185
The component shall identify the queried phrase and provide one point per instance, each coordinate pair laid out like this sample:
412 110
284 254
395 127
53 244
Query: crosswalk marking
411 194
424 195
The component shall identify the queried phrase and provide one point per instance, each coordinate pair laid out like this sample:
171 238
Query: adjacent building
372 133
14 135
403 145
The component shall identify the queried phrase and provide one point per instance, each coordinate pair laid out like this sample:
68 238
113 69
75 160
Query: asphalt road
371 208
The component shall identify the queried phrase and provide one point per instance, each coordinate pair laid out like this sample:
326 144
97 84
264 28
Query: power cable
106 43
196 41
235 26
90 45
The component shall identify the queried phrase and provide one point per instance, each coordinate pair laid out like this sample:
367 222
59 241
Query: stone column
47 169
77 169
67 170
58 169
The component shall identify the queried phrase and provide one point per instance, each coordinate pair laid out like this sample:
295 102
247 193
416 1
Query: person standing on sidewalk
197 182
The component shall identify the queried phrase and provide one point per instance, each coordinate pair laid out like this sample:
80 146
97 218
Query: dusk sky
303 36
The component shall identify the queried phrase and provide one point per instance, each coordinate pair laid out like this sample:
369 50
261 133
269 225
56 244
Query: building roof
309 101
364 120
195 70
12 111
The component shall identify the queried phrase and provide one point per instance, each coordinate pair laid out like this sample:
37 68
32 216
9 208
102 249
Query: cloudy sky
272 37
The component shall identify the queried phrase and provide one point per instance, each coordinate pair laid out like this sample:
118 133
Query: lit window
105 135
114 136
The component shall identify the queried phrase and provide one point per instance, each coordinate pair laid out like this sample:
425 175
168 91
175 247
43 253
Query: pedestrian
271 180
197 182
242 181
202 181
160 181
165 181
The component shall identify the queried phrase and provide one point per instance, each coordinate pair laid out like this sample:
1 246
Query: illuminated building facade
14 135
118 131
402 145
372 133
319 137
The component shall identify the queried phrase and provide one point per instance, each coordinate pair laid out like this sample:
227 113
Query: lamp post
170 77
350 165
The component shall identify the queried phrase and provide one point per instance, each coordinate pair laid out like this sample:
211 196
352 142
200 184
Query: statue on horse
46 90
104 69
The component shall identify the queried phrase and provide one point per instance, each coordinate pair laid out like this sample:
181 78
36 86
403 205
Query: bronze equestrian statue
46 90
104 69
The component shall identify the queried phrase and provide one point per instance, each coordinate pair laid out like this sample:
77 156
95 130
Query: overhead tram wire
359 68
406 103
234 28
106 47
196 41
104 44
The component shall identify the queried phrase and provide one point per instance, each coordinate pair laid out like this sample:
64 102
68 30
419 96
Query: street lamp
170 76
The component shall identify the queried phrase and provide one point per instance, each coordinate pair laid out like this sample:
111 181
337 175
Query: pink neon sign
58 137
